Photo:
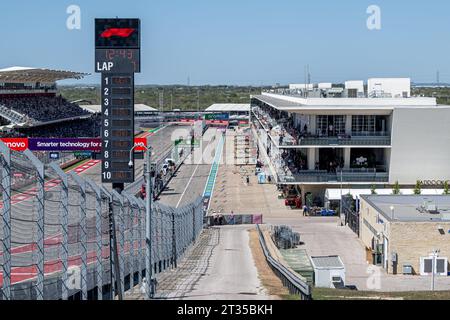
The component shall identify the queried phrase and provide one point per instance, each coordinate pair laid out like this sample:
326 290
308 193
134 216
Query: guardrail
290 280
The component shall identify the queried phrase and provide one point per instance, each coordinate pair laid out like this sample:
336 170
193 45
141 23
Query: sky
239 42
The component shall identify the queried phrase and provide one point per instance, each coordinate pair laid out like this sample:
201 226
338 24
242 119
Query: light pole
148 221
392 213
340 203
435 254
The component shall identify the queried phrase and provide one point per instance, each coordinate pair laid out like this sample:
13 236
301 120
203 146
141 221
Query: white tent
335 194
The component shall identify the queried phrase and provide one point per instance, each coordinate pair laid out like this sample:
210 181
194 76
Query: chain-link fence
64 237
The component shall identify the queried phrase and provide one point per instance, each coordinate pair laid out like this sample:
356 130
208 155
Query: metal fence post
5 163
141 232
174 244
64 218
113 254
120 252
40 223
98 237
131 233
83 230
193 224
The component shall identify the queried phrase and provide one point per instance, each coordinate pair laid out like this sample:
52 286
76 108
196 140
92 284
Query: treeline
171 97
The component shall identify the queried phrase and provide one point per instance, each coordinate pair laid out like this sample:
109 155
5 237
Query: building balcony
284 138
381 140
348 176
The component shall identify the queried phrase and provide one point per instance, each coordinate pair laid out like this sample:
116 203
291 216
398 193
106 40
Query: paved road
219 267
189 182
232 274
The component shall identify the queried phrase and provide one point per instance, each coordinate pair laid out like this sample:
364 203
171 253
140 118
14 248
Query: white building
389 87
355 88
301 86
319 143
329 272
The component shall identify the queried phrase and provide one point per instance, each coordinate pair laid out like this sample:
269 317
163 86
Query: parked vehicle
293 199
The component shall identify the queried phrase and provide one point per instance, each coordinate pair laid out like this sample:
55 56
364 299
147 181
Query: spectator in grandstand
83 128
43 108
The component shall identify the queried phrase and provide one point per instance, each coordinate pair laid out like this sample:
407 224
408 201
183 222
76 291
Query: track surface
189 182
161 143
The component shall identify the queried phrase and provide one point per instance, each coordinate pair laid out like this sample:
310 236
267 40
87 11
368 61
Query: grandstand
30 105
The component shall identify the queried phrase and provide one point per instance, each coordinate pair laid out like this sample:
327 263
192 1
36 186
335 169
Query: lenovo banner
60 145
140 143
16 144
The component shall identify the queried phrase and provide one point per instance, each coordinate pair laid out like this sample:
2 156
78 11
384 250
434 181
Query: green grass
334 294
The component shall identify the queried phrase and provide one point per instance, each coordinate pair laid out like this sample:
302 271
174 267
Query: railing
325 177
358 138
290 279
58 234
12 115
344 141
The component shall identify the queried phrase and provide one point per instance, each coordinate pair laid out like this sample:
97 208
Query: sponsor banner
16 144
59 145
218 117
140 143
219 122
83 154
71 144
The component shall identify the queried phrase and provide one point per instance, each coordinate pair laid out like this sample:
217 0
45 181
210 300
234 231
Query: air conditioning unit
407 269
431 207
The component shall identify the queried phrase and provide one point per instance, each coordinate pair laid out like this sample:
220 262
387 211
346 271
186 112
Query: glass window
363 124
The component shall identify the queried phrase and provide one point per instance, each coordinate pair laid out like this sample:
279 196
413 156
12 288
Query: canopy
335 194
27 74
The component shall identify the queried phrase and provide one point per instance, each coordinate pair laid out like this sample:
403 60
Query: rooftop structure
229 107
137 108
327 262
28 75
411 208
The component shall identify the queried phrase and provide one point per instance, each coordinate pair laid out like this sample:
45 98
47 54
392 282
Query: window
426 266
363 124
330 125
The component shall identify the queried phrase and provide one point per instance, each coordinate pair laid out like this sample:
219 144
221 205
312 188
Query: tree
396 189
418 188
373 189
446 188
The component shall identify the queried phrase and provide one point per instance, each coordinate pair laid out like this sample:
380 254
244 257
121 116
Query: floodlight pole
340 203
433 267
148 222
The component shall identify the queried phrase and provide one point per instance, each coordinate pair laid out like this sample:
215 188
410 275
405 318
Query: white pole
340 205
433 267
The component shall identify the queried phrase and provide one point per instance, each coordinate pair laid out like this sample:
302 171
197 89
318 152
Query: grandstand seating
12 116
43 108
82 128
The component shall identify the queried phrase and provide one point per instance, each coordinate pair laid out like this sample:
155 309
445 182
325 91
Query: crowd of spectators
43 108
82 128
